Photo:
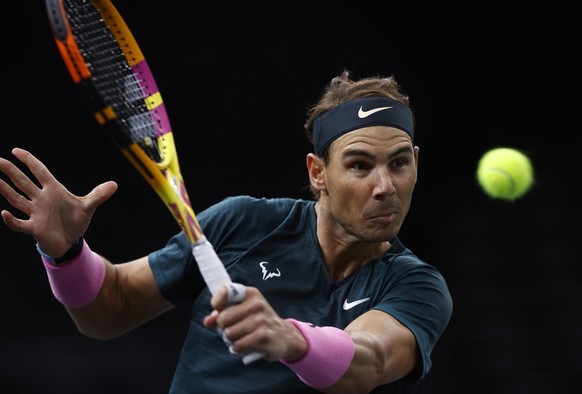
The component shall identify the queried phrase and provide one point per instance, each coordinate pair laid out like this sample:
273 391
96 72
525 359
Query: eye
361 166
400 162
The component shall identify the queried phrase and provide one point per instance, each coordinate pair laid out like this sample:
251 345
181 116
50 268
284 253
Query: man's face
369 181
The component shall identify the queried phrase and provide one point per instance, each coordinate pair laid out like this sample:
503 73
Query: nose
383 185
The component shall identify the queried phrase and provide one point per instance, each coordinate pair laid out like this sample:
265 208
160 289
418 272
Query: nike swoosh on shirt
364 114
350 305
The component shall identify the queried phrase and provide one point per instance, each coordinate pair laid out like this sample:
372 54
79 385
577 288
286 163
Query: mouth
383 217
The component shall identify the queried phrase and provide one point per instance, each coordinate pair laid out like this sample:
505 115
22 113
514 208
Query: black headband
357 114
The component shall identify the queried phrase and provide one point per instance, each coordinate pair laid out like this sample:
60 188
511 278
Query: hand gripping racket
103 58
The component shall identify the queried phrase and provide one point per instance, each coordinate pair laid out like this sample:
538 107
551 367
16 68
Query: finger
230 294
220 299
35 166
100 194
15 199
15 224
210 320
243 342
19 178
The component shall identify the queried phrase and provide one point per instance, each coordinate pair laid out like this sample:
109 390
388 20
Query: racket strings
114 80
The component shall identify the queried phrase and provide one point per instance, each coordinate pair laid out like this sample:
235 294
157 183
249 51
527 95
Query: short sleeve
175 270
419 299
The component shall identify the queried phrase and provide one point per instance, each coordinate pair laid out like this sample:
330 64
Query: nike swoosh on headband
349 305
364 114
350 115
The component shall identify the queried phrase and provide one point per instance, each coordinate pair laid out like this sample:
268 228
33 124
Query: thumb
100 194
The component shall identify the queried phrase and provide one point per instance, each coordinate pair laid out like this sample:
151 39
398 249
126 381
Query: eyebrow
367 154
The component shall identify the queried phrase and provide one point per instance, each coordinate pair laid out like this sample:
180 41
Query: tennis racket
104 60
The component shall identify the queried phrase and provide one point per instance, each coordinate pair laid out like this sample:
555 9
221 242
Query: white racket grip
236 293
210 266
216 277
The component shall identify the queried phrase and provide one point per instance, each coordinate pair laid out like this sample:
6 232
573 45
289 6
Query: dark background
236 79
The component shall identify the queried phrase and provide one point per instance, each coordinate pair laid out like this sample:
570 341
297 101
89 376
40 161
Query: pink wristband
329 354
78 281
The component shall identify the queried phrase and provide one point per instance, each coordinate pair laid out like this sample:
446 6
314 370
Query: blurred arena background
236 80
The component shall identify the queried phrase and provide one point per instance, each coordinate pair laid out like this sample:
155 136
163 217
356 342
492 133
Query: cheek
405 181
349 194
340 186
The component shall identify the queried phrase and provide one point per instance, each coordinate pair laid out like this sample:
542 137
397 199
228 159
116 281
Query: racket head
105 61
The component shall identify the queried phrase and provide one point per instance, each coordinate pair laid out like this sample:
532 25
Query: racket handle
252 357
216 277
210 266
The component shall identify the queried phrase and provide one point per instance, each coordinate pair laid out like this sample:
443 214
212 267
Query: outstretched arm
103 299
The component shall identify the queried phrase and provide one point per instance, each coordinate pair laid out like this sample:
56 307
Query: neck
343 253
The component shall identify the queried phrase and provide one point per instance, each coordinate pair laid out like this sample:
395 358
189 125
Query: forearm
374 350
96 319
99 296
119 308
372 366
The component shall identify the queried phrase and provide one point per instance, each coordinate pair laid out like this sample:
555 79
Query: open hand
56 217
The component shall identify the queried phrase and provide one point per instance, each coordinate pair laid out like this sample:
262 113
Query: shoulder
404 259
247 201
414 278
250 218
255 208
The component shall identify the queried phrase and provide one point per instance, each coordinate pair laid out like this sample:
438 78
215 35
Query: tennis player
330 296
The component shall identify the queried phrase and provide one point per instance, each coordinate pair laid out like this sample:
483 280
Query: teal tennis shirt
271 244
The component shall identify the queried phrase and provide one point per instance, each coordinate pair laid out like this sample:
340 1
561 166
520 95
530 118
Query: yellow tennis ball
505 173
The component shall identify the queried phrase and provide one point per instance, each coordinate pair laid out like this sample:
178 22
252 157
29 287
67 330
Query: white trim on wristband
78 281
329 354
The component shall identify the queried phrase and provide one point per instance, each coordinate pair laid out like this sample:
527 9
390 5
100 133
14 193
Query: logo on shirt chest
349 305
269 272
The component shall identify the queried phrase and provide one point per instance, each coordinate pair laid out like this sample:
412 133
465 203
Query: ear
315 169
416 156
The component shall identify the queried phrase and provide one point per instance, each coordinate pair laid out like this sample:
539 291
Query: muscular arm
385 351
129 297
57 218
